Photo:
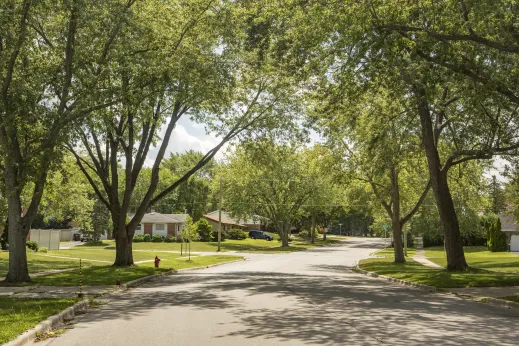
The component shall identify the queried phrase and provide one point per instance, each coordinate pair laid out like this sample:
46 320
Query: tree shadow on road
324 309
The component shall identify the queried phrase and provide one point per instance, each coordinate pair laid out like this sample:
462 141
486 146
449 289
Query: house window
160 228
139 230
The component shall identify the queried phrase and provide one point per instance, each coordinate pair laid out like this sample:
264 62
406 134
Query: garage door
514 243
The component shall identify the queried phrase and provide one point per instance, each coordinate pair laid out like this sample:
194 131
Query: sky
189 135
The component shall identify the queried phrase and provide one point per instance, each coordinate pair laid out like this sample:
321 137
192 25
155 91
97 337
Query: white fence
48 238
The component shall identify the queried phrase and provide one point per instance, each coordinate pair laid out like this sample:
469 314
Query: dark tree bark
313 228
396 223
393 210
442 195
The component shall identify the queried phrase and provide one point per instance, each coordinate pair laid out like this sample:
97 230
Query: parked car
86 237
260 235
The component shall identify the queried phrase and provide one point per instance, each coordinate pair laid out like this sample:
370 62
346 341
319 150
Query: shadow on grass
440 278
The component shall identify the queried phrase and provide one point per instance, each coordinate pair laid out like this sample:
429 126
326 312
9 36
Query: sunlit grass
20 314
441 278
478 257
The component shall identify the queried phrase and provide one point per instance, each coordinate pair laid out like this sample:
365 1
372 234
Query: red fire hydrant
157 260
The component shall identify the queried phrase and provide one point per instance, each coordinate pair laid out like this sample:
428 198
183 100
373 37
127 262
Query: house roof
179 217
508 223
227 219
161 218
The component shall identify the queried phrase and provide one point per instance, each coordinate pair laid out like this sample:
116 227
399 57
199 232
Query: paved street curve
301 298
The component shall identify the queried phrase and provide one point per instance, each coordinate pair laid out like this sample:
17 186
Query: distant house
162 224
511 228
228 222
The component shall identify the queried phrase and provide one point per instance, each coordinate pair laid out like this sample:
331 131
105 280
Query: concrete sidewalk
420 258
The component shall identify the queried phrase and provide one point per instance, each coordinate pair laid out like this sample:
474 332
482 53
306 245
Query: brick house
228 222
162 224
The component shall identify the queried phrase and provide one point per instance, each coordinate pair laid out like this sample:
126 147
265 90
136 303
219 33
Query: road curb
497 302
50 323
69 313
399 281
485 300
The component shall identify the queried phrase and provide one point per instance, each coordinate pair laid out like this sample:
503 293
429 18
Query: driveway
302 298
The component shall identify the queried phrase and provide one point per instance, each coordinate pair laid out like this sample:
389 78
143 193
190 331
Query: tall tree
375 44
54 64
204 72
270 180
374 140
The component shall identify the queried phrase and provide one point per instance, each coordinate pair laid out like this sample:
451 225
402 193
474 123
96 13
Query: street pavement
301 298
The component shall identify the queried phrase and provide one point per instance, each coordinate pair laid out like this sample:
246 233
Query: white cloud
187 135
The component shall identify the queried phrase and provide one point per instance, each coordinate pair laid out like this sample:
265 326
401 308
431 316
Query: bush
147 238
305 234
32 245
204 230
496 239
236 234
170 239
138 238
157 238
43 249
94 243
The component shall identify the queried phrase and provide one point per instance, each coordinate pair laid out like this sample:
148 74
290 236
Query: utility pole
340 229
220 217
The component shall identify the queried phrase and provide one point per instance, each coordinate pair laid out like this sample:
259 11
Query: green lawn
389 252
20 314
478 257
107 275
415 272
37 263
245 245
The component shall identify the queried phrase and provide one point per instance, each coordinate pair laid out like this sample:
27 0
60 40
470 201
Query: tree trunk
123 246
397 241
396 225
284 234
453 243
313 229
18 269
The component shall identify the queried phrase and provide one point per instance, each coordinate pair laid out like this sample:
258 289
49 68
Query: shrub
146 238
138 238
157 238
32 245
94 243
170 239
43 249
306 234
204 230
496 239
236 234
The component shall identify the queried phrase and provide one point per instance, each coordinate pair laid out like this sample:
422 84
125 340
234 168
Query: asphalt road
303 298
